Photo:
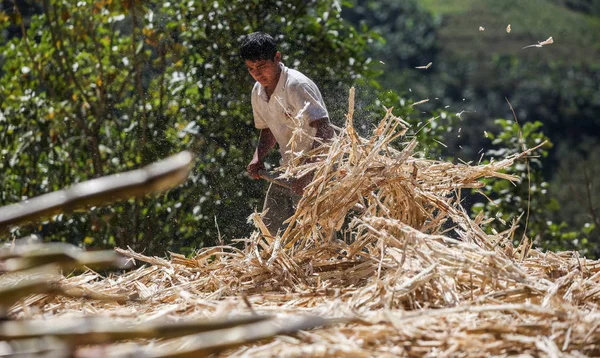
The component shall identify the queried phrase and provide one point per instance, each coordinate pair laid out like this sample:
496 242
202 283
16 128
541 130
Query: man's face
265 72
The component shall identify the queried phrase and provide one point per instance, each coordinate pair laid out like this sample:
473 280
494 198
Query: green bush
100 87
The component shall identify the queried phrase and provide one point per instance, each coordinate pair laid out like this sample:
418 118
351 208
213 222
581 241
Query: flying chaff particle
420 102
541 44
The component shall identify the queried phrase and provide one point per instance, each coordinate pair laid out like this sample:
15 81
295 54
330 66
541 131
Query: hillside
576 34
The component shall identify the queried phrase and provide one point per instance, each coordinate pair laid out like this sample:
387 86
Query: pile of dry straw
368 247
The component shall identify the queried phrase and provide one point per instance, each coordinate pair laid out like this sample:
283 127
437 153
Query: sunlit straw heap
380 241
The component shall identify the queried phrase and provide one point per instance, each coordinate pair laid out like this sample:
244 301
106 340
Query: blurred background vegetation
95 87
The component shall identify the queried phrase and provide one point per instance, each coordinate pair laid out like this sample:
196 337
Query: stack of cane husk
380 244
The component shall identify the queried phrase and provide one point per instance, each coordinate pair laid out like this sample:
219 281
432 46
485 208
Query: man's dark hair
258 46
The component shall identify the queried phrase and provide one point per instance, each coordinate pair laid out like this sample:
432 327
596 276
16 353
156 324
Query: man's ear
277 56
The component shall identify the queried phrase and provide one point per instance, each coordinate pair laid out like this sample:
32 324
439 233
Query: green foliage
408 31
564 96
528 203
574 185
552 92
101 87
473 73
406 37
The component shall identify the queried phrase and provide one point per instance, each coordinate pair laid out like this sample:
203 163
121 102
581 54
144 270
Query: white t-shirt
295 103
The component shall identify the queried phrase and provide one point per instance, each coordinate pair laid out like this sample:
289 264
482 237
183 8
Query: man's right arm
266 142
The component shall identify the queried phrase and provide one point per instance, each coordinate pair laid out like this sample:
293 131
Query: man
282 98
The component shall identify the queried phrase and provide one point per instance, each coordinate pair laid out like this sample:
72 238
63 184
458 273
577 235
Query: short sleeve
259 121
307 98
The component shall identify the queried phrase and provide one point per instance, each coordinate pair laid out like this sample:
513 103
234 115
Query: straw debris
548 41
408 273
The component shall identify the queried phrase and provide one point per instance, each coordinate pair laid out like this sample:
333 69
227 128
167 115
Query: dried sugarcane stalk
153 178
64 255
404 285
213 342
99 330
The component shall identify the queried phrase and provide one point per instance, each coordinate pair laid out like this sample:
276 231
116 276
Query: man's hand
253 168
266 141
299 184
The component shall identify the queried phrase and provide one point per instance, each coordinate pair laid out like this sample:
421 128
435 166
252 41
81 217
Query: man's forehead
256 63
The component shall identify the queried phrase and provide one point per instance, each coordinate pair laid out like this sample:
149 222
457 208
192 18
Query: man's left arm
324 131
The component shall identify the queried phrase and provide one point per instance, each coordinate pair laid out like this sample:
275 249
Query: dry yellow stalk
424 67
407 288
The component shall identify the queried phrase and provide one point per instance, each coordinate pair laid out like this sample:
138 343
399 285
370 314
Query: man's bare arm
324 131
266 142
